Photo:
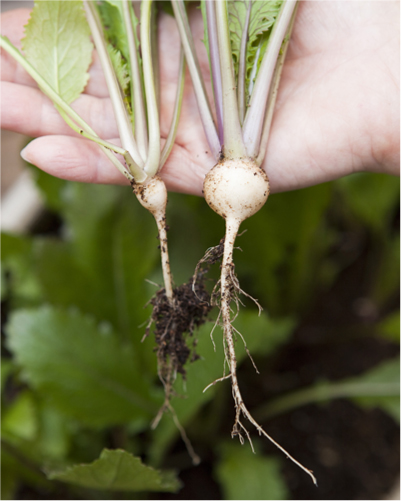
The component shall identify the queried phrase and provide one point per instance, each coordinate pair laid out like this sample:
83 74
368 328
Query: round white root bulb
153 196
236 189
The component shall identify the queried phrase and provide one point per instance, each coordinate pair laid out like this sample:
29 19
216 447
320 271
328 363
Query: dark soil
175 323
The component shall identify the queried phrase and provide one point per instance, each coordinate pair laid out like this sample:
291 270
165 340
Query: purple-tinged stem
271 101
197 81
255 116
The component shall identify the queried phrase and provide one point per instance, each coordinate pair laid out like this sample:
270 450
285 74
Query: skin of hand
337 110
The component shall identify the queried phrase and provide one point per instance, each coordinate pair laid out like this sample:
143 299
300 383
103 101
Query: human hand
337 109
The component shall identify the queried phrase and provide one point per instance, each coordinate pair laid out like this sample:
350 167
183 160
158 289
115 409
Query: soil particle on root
175 322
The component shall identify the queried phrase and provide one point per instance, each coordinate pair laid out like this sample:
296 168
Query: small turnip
236 187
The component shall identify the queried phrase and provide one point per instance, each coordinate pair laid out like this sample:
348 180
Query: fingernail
23 155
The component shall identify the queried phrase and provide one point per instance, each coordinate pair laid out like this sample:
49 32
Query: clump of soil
175 321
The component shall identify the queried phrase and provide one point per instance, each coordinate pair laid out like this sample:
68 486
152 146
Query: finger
27 111
77 159
73 159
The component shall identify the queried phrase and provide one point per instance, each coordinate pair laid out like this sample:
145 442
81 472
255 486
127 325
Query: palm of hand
336 111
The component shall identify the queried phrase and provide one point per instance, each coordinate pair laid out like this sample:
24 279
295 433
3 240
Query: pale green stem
233 142
120 111
137 172
254 118
153 158
196 76
87 135
271 101
242 65
138 108
155 53
104 144
176 114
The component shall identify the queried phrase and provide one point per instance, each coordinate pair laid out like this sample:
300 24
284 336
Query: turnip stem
242 65
155 53
153 156
140 124
168 145
215 65
232 226
254 117
233 142
271 101
123 121
105 145
197 80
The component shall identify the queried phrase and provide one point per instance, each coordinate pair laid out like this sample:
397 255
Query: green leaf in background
108 250
18 269
390 327
371 197
378 387
50 187
120 471
20 420
282 249
387 283
6 369
81 367
244 475
63 52
263 14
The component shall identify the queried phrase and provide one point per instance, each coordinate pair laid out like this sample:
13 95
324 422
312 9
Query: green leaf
20 419
81 367
118 470
112 19
244 475
57 44
372 197
378 387
381 387
108 250
17 265
6 370
283 249
120 68
50 187
262 17
390 327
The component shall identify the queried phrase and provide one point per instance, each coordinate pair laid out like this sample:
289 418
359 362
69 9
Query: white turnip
236 187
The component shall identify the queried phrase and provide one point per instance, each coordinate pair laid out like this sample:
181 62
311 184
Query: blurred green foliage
76 376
